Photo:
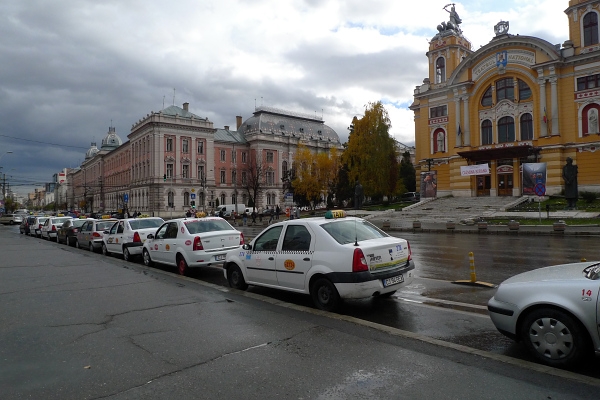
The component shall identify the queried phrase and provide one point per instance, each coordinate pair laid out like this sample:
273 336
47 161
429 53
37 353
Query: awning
498 153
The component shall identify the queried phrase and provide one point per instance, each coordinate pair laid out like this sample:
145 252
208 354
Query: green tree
408 174
371 155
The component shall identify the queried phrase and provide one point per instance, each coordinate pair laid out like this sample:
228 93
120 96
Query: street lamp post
4 182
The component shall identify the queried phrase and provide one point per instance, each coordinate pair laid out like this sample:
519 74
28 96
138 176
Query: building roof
282 123
180 112
111 141
225 135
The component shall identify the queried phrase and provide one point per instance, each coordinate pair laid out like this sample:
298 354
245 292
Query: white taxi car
127 236
51 226
191 242
330 258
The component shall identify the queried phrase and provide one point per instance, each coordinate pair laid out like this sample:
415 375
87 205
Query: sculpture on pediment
453 22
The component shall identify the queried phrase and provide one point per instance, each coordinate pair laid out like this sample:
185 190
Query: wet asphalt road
433 305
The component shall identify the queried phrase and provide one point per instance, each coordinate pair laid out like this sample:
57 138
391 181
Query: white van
229 208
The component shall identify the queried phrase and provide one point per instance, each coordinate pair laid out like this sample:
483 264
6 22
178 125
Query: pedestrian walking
277 211
253 215
245 218
188 214
271 215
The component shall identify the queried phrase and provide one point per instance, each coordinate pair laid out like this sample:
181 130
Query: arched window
233 198
506 130
505 89
526 127
440 70
524 90
590 29
223 199
171 199
284 169
486 132
439 140
186 199
487 100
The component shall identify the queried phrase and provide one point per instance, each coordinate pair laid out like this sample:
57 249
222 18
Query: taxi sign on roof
332 214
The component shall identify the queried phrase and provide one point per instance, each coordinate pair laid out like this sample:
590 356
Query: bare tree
252 177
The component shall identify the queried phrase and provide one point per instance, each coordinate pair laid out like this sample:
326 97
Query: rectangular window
588 82
169 144
233 176
201 172
200 147
270 177
269 156
170 171
184 146
223 156
222 176
440 111
233 158
244 156
244 178
185 171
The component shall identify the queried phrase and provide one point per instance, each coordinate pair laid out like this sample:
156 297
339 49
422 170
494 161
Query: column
466 131
554 104
542 104
457 116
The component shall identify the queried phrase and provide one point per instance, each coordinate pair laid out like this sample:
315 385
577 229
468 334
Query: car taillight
54 228
409 251
359 263
198 244
136 238
40 226
96 235
242 239
75 230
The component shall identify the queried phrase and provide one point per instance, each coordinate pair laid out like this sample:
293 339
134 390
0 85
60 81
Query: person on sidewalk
253 215
271 215
277 211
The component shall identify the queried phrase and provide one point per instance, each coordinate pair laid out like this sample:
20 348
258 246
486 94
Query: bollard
472 264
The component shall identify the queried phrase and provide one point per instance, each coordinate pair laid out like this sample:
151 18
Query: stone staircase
456 208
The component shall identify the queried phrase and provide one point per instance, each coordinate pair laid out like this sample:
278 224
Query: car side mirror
106 232
150 236
246 247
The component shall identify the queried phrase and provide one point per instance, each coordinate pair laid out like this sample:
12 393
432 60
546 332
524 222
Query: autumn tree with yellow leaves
370 156
315 174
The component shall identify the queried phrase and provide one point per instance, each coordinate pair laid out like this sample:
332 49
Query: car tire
70 241
105 250
324 294
235 277
77 246
91 247
182 266
555 337
126 254
147 259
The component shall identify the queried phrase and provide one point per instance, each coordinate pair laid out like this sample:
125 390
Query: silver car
554 311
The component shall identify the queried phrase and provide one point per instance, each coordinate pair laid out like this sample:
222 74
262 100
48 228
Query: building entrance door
484 184
505 184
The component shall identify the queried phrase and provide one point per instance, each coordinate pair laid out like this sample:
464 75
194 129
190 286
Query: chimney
238 121
226 127
186 106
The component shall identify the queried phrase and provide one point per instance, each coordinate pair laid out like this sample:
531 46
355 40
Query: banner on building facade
533 173
429 184
481 169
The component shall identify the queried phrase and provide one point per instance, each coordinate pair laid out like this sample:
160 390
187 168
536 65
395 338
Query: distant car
191 242
36 229
554 311
331 258
411 196
127 236
68 231
11 219
51 227
26 225
91 233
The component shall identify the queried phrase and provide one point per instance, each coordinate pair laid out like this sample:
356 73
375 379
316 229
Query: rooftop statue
453 23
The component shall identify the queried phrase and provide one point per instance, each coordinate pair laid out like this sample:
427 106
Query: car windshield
78 222
207 225
348 231
145 223
104 225
42 220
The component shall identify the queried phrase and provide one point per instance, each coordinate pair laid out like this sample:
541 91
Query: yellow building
518 99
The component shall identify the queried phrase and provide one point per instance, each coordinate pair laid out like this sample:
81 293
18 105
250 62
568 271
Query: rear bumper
135 248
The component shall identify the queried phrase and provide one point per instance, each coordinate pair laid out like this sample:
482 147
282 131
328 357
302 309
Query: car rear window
145 223
104 225
210 225
348 231
58 221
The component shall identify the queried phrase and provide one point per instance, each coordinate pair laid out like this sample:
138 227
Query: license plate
393 280
220 258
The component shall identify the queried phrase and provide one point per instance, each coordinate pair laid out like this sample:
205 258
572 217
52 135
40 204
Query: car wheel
182 266
70 241
105 250
126 254
146 257
236 278
77 244
325 295
386 295
555 337
11 222
91 247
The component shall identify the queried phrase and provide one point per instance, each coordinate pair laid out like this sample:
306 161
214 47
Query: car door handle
306 259
271 258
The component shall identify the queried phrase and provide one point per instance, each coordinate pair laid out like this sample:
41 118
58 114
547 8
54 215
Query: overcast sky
71 68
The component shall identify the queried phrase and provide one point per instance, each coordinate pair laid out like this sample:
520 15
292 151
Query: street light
4 183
